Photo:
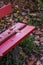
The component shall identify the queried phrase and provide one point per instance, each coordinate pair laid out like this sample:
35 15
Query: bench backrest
5 10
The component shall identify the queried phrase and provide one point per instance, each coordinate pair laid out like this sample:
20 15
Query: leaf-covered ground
30 51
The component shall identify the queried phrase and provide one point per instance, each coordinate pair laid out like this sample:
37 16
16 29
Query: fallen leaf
38 62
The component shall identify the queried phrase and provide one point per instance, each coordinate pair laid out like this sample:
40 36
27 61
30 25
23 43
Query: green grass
34 23
28 46
41 4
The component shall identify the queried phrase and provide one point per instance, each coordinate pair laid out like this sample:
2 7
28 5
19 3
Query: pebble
42 30
31 34
32 58
15 14
41 64
38 29
37 43
25 20
41 39
16 6
11 19
37 38
26 17
23 13
41 58
41 50
38 62
38 32
41 44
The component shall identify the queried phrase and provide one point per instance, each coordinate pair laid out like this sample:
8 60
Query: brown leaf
31 62
41 39
37 38
38 62
38 32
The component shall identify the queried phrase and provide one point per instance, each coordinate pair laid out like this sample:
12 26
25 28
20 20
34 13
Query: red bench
5 10
11 38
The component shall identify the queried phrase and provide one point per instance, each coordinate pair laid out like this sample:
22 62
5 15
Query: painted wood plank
15 40
8 33
5 10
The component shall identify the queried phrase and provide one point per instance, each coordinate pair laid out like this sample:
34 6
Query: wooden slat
5 10
15 40
8 33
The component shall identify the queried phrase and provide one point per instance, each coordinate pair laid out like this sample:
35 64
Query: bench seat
14 40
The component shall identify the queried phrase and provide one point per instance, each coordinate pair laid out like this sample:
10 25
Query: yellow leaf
18 11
